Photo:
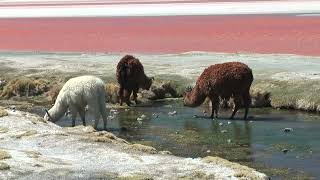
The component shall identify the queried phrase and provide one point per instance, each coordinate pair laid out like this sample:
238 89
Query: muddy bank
34 149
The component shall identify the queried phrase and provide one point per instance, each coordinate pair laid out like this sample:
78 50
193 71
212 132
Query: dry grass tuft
4 155
3 112
242 172
142 148
25 87
53 93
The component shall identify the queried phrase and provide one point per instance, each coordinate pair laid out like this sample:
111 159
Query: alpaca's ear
188 89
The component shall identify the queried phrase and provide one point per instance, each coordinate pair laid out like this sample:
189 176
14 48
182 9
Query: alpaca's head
193 97
48 117
187 96
147 83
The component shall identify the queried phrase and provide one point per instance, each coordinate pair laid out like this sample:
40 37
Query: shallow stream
260 142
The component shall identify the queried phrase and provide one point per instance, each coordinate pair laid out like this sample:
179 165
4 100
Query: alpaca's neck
57 111
195 98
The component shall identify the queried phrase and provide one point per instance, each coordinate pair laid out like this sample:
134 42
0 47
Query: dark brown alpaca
222 81
131 77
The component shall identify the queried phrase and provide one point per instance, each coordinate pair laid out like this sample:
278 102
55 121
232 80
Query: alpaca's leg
73 112
214 106
135 91
94 109
82 114
237 104
247 101
127 94
102 110
103 113
120 93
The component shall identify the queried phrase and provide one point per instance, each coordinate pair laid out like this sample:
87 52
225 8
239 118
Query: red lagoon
257 34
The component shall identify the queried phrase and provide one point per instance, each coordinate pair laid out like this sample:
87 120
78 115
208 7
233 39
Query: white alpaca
75 94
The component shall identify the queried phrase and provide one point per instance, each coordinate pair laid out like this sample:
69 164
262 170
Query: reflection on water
258 143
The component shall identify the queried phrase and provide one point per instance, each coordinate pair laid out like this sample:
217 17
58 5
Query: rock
110 117
229 122
113 110
285 150
165 152
287 129
229 141
195 116
221 124
155 115
172 113
224 131
208 151
4 166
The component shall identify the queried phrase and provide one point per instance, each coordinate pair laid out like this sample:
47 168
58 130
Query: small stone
287 129
172 113
229 122
195 116
124 129
177 132
37 165
165 152
221 124
126 110
116 112
229 141
285 150
113 110
208 151
224 131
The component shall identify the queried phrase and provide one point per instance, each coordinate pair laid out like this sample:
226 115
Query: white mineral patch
72 153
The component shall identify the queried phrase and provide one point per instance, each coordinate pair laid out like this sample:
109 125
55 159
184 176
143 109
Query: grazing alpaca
231 79
131 77
75 95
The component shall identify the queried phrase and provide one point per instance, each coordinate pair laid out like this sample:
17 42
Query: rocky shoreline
32 148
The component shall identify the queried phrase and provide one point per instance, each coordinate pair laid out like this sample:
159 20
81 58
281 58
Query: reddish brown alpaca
131 77
231 79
